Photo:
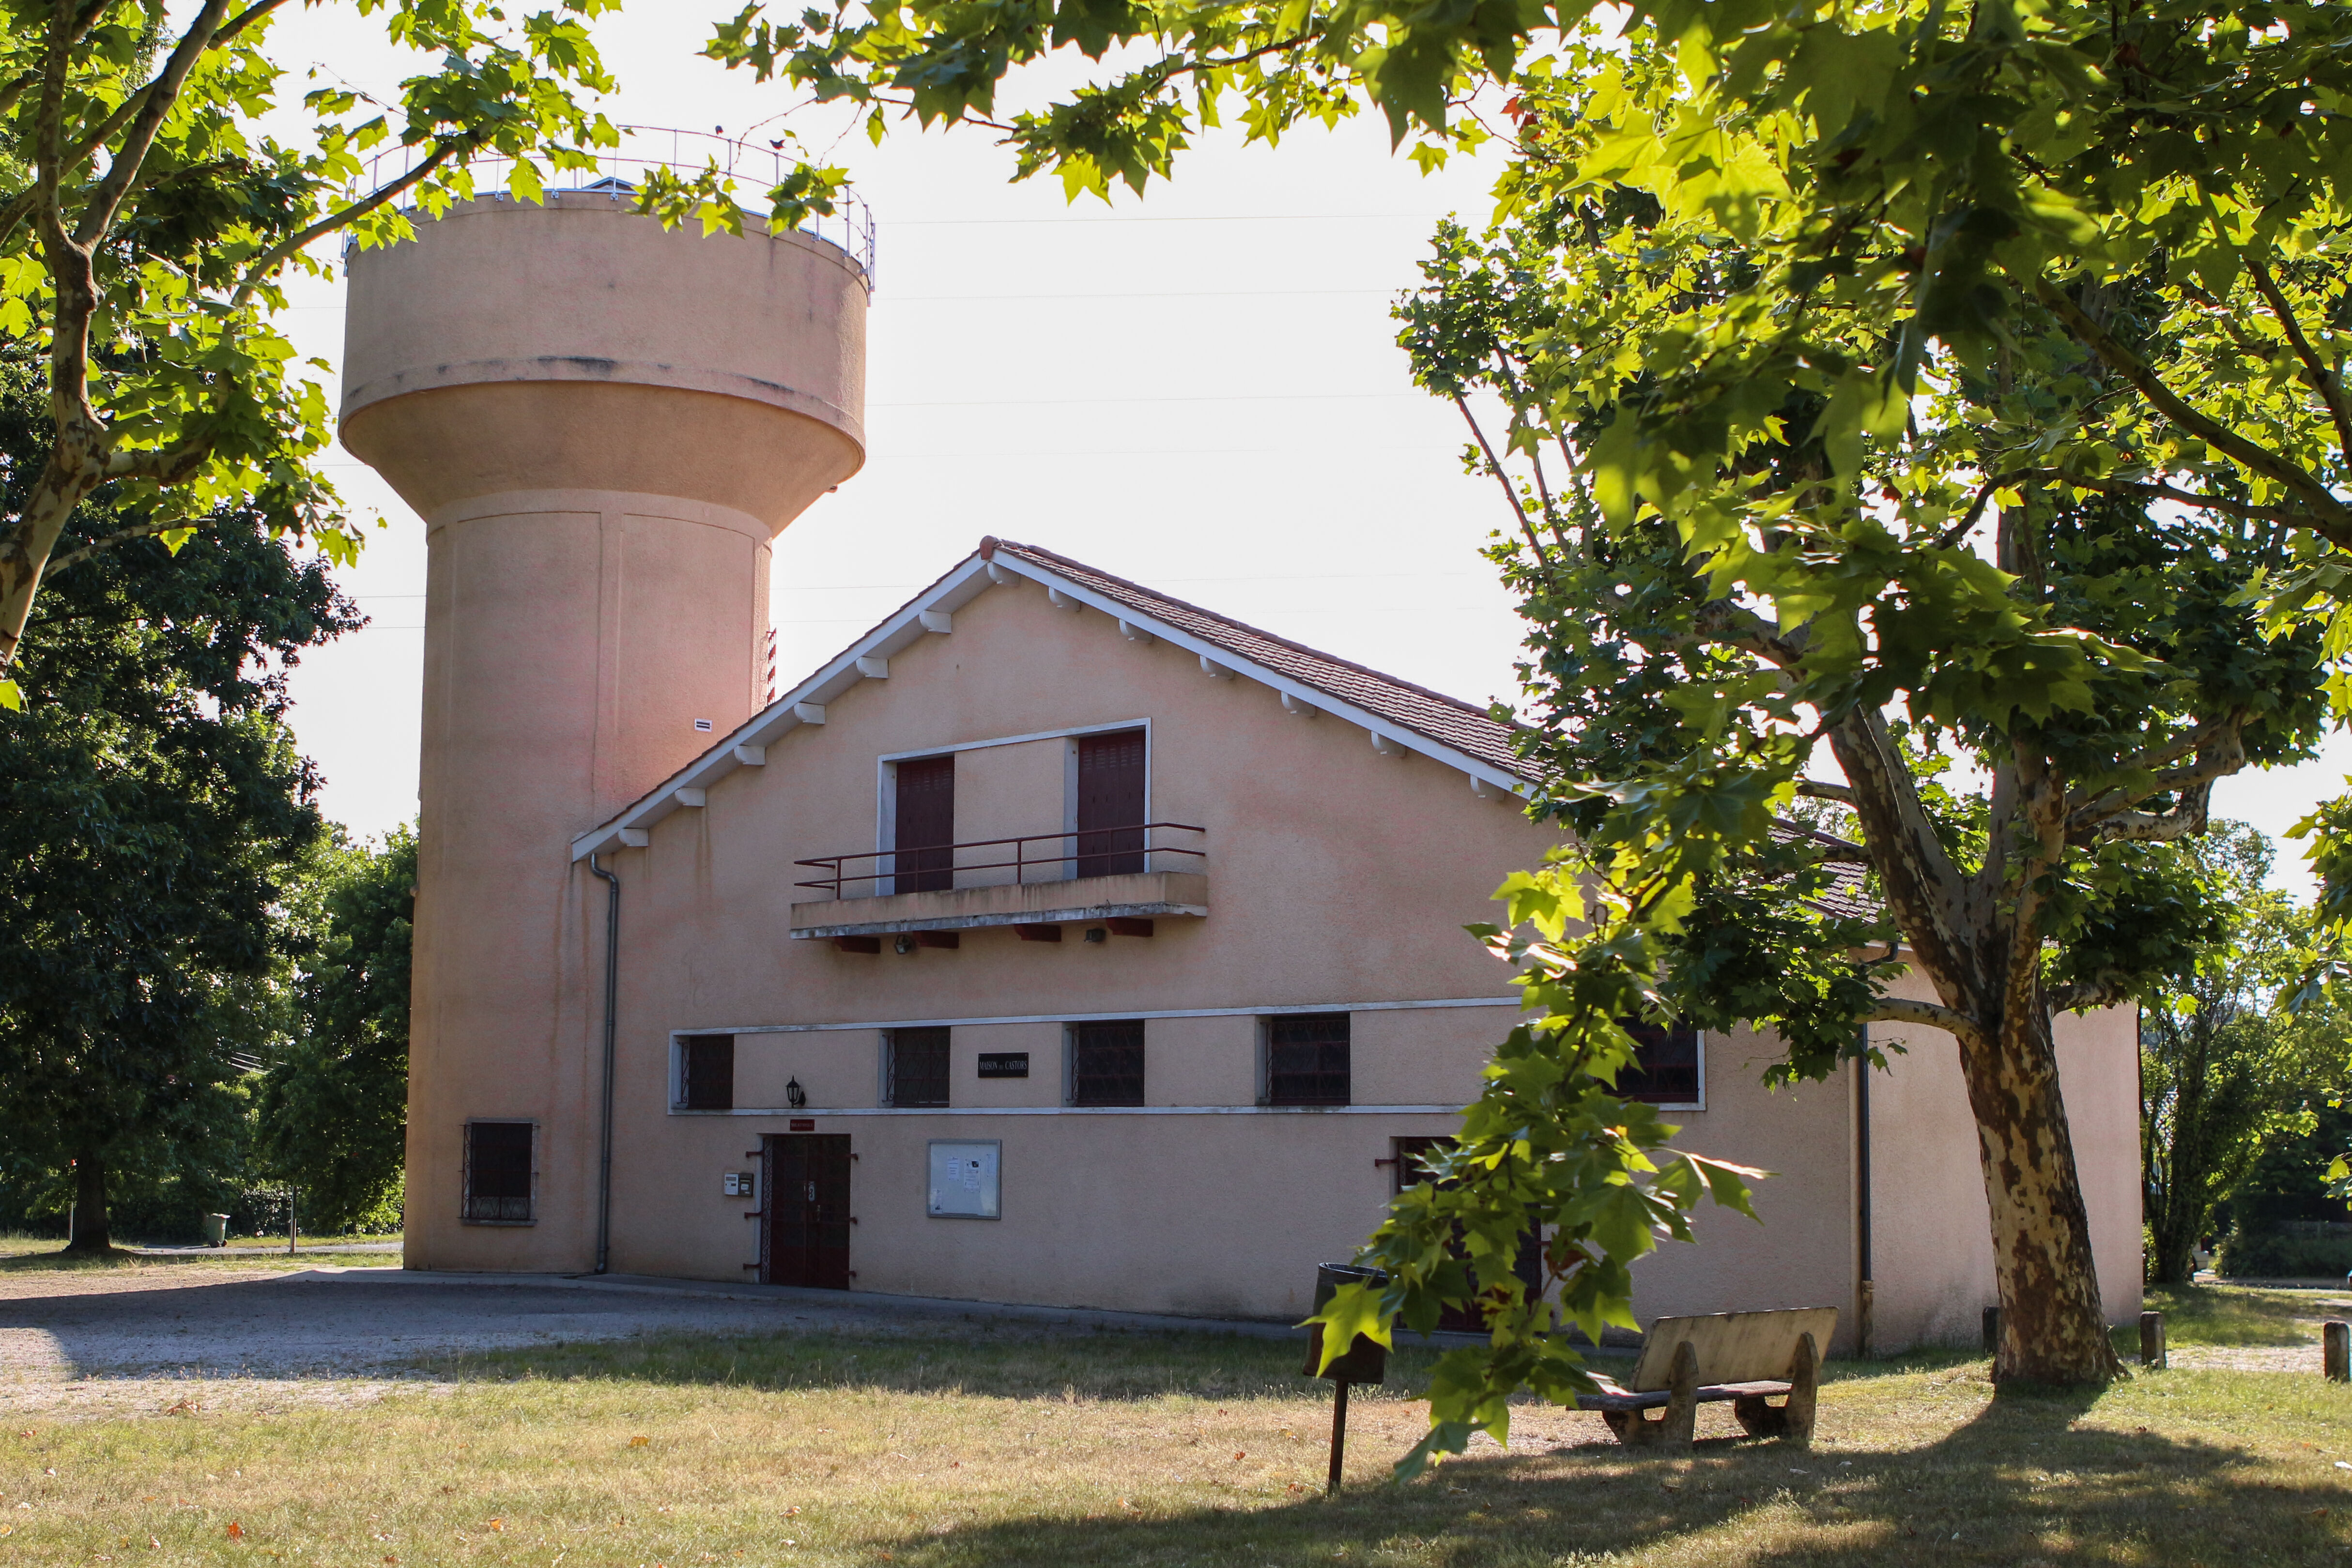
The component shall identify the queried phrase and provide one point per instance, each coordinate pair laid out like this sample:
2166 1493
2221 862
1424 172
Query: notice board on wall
964 1179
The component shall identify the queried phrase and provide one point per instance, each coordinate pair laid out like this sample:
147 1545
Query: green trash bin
216 1230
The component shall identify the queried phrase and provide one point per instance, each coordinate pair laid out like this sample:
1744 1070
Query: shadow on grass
2019 1485
2237 1315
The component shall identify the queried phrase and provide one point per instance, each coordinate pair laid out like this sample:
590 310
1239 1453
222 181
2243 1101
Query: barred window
1306 1059
1665 1068
918 1066
706 1072
1106 1063
498 1172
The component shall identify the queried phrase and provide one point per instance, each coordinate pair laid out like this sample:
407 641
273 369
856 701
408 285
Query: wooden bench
1748 1358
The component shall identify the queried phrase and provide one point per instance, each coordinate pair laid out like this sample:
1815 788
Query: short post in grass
2151 1341
1366 1361
2335 1348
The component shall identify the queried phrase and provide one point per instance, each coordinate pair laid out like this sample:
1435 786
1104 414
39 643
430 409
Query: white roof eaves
962 584
780 718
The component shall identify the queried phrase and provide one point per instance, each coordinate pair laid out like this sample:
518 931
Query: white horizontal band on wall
1100 1013
807 1112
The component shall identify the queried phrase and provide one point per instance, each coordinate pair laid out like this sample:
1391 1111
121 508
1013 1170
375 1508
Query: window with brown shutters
499 1173
1306 1059
706 1072
924 825
1665 1067
1111 794
918 1066
1106 1063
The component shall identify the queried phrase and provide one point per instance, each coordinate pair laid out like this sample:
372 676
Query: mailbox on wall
965 1180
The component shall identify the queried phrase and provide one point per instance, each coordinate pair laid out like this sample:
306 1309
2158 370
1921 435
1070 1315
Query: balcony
1122 879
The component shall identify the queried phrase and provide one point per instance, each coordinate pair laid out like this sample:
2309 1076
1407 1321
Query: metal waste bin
1366 1361
216 1230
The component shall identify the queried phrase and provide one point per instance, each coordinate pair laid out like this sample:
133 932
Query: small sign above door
1004 1064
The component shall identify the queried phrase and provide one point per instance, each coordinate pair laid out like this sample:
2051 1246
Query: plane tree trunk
2052 1330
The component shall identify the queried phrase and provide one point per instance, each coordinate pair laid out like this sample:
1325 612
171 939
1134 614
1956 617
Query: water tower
603 425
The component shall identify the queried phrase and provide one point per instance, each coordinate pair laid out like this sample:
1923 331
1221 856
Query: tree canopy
333 1110
134 947
2226 1068
148 226
1904 406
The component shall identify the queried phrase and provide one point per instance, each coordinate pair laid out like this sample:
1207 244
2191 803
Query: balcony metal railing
619 172
940 868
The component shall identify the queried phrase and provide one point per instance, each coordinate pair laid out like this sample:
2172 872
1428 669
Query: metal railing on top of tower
752 171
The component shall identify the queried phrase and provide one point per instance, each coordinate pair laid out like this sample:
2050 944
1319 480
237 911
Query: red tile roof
1448 721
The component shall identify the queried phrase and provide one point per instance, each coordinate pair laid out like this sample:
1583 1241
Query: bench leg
1673 1427
1793 1417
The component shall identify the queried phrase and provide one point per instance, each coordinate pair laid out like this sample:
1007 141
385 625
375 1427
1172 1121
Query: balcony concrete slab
1146 895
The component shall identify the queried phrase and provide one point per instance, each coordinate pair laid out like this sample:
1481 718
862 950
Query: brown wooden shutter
925 826
1111 778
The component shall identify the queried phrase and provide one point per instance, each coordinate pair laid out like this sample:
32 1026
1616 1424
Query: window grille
918 1067
1306 1059
498 1172
1665 1067
1106 1063
707 1072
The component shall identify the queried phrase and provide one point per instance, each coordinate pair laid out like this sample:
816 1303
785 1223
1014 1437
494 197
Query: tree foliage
2226 1068
332 1109
1887 386
137 950
148 225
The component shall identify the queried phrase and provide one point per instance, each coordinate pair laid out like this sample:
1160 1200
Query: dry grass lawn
999 1445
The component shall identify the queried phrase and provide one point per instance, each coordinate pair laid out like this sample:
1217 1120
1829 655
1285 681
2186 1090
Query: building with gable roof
1058 942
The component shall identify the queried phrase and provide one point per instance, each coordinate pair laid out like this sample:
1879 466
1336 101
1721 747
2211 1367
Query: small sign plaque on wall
1004 1064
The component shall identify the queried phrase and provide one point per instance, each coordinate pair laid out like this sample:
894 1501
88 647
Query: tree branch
2220 752
160 95
18 87
2331 518
1960 530
1814 789
268 261
1903 1010
57 564
1518 510
2323 381
2279 515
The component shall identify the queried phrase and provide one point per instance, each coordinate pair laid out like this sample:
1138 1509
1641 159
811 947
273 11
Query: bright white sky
1199 389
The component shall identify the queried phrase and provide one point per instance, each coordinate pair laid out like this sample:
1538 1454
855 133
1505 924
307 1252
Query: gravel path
114 1342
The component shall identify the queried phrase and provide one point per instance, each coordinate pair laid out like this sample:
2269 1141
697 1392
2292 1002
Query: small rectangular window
1106 1063
1306 1059
706 1072
917 1067
1665 1067
498 1172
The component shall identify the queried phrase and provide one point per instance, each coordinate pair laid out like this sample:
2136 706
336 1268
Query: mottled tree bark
2052 1330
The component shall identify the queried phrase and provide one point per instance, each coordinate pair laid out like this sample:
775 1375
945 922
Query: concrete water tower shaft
603 425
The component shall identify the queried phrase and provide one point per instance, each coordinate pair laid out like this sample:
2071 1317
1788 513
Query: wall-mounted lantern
795 1095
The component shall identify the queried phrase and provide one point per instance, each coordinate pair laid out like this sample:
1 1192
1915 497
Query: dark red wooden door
807 1210
924 825
1110 804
